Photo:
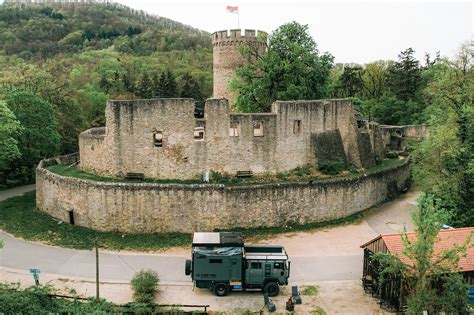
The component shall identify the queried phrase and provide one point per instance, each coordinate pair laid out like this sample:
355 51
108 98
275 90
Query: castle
162 138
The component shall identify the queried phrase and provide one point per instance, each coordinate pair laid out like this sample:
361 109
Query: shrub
332 167
310 290
145 285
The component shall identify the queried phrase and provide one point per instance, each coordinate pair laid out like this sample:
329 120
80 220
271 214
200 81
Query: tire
188 267
272 288
221 289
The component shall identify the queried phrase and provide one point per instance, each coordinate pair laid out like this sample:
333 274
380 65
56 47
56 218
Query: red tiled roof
446 240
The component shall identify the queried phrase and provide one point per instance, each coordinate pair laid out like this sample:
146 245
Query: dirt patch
324 297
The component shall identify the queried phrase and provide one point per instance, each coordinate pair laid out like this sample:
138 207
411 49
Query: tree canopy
444 162
10 129
291 68
39 138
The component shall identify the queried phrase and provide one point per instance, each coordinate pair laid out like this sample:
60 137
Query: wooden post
96 271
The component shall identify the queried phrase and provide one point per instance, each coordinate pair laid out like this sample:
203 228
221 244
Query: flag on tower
231 9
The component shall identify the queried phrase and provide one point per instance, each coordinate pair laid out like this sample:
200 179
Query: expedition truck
222 263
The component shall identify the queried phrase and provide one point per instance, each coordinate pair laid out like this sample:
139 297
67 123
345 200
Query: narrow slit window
234 130
158 139
258 129
199 133
297 127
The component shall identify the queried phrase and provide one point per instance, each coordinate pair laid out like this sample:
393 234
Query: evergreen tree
190 89
404 76
156 85
172 87
145 87
127 84
162 86
350 81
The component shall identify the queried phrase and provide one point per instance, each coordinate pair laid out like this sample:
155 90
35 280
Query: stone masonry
148 207
161 138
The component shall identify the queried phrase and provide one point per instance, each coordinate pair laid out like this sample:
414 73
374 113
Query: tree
404 76
10 129
162 88
40 138
374 79
145 87
350 81
424 266
444 162
171 86
393 111
291 68
190 88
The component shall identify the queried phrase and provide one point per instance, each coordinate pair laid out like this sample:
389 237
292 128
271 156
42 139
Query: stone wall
328 146
127 145
394 137
145 207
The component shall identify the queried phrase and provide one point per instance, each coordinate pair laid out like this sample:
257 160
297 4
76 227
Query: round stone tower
227 58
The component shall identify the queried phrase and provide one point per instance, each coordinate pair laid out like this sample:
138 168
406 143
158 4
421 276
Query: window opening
158 139
297 127
199 133
234 130
258 129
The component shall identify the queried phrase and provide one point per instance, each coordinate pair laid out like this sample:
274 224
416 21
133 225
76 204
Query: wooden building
392 292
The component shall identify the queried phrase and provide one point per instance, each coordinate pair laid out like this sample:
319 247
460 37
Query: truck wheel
272 289
187 267
221 289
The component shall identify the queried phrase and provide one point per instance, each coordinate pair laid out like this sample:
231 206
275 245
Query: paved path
307 265
5 194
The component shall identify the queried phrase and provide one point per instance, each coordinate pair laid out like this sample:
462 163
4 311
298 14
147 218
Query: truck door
254 273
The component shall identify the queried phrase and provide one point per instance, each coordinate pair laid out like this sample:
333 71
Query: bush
332 167
145 285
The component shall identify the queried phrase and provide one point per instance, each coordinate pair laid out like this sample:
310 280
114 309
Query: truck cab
221 262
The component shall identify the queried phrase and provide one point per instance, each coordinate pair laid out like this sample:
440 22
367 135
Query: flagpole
238 19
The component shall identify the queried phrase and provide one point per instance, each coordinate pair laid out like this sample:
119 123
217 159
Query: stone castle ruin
162 138
166 139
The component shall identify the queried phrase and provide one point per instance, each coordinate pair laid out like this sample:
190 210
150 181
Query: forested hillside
77 57
39 31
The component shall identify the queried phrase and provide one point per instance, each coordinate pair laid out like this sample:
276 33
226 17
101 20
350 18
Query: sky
351 31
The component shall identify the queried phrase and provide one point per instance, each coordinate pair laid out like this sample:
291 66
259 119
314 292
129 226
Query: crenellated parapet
235 37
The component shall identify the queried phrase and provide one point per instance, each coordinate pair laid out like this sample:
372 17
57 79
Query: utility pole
96 271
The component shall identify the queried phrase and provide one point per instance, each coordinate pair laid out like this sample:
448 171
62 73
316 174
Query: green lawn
19 217
304 173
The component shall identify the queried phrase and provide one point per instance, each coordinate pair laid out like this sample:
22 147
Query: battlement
248 35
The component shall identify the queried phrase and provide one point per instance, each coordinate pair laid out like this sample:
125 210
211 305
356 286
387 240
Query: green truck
222 263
